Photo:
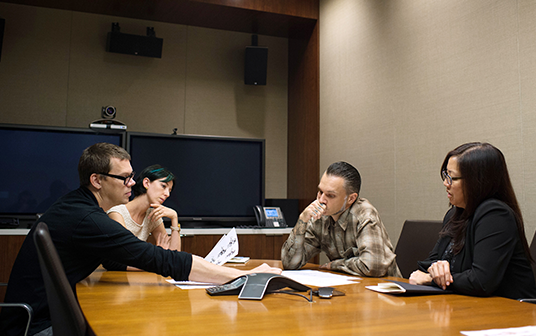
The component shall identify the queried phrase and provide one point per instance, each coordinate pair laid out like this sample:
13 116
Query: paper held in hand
404 288
225 249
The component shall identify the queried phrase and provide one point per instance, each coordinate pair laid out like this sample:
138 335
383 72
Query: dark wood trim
303 118
302 8
283 18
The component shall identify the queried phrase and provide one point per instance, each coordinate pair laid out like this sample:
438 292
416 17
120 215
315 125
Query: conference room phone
269 216
254 286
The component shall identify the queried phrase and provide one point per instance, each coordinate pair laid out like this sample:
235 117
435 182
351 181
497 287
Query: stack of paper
238 260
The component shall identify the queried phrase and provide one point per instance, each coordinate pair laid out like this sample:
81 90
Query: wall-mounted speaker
138 45
2 26
256 65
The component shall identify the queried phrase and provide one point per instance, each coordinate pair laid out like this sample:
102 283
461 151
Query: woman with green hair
143 215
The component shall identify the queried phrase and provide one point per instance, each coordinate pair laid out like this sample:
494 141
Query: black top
84 236
492 261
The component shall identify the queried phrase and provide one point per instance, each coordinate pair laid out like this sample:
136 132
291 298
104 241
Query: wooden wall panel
304 119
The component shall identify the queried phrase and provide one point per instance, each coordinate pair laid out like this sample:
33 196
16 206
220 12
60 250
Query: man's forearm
293 250
205 271
350 266
363 266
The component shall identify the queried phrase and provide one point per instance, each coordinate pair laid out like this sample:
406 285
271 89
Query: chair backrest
65 312
533 253
417 239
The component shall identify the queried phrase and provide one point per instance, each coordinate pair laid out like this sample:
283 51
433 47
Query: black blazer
492 261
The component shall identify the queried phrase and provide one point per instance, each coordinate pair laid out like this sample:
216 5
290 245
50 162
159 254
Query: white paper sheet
320 279
191 284
521 331
225 249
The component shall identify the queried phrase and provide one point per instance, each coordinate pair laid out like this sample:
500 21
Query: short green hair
153 173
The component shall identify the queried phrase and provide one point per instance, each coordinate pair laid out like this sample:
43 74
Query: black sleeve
490 241
100 235
113 266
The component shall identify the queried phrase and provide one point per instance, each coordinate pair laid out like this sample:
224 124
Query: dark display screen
217 178
40 164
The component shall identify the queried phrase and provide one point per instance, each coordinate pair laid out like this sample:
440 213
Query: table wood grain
141 303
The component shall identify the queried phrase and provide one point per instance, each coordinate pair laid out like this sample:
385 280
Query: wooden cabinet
9 248
255 246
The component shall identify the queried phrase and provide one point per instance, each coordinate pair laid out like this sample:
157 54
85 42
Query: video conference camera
106 123
108 112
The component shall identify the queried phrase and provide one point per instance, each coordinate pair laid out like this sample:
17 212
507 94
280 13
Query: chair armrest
528 300
25 306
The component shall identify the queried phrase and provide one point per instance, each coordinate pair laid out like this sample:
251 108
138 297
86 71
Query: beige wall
405 81
55 71
402 82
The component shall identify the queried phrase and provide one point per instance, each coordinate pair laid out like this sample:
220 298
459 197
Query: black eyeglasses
125 179
449 178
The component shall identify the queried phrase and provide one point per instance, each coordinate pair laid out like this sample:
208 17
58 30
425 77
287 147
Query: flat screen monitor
40 164
218 179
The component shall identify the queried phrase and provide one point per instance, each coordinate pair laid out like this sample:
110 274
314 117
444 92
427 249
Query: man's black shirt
84 237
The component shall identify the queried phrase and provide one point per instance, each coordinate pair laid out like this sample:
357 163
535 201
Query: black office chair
65 312
533 253
24 306
532 248
417 239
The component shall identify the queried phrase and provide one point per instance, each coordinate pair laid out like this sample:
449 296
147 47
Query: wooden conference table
141 303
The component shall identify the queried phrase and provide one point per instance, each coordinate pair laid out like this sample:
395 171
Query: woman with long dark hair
482 249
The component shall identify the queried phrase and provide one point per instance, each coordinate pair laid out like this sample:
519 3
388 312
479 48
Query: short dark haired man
343 225
84 236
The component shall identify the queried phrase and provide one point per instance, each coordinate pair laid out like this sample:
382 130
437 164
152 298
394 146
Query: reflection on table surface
141 303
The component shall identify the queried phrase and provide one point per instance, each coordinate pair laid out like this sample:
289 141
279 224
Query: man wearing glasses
84 236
